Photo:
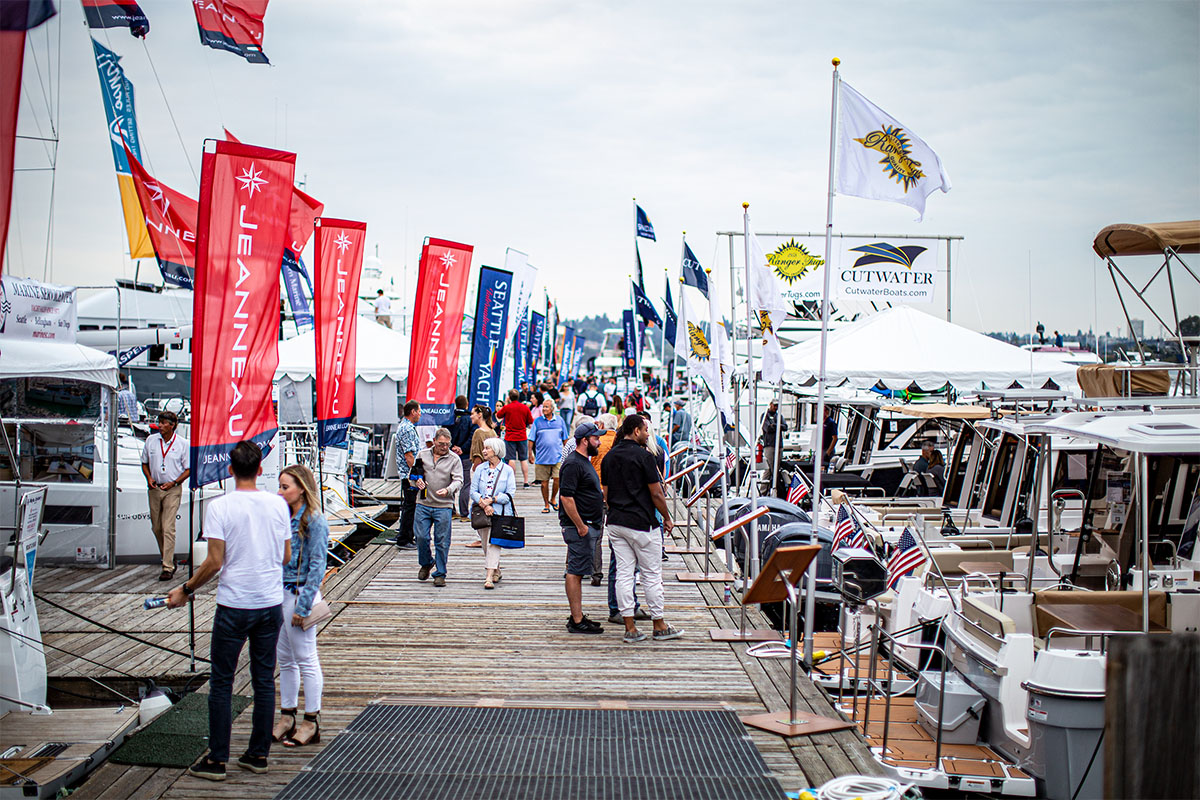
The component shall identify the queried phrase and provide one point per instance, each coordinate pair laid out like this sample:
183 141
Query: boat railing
873 685
1087 636
1012 580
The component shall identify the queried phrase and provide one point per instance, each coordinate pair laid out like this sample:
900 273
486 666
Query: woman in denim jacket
492 486
302 576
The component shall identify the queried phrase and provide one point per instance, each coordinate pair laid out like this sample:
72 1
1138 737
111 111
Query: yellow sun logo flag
897 163
792 261
699 343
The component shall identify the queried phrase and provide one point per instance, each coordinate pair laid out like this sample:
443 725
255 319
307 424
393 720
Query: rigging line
37 65
111 629
36 122
41 643
171 114
50 223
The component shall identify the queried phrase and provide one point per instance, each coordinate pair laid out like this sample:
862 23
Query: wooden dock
397 638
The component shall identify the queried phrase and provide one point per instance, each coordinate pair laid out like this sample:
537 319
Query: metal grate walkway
440 752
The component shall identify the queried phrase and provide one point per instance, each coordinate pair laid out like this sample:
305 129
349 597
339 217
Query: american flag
730 459
798 490
907 556
844 530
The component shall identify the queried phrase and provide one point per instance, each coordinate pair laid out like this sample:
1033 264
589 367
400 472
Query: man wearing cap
681 423
581 515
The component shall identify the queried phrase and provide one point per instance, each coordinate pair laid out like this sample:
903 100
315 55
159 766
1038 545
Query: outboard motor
798 533
781 513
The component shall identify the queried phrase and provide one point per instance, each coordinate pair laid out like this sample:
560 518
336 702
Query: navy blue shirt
628 471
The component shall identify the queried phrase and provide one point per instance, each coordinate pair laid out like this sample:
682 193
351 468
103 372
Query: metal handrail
876 631
1088 635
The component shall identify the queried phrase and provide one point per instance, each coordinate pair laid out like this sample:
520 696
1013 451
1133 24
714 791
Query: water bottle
154 602
728 596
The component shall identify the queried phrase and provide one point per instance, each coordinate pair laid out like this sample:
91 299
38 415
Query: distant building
1137 328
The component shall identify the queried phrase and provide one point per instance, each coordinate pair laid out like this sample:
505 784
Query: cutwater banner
437 326
630 340
568 357
521 352
579 340
537 332
487 344
245 194
339 249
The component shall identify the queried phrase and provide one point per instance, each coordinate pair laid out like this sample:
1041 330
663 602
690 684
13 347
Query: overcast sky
532 125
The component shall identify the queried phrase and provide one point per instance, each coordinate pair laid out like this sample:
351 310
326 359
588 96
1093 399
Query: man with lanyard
407 446
633 490
165 465
549 433
637 400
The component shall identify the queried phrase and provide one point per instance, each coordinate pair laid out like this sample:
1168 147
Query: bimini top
1138 432
1125 239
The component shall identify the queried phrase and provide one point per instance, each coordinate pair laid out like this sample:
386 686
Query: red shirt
516 418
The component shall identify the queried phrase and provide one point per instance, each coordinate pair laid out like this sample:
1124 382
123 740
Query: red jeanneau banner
437 326
245 198
233 25
339 252
171 220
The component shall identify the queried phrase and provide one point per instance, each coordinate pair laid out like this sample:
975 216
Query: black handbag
480 520
508 532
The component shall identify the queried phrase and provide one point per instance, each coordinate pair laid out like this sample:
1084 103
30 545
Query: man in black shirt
581 515
633 489
829 436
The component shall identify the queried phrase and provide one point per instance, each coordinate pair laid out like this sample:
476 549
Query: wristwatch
187 590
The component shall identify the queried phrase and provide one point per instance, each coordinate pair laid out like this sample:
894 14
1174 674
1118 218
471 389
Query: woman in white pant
302 576
492 487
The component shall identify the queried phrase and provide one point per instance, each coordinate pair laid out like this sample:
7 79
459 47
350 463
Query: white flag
701 352
881 159
766 297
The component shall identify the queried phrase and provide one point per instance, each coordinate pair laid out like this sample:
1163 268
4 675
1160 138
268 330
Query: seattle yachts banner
521 352
339 249
445 270
487 343
568 358
245 195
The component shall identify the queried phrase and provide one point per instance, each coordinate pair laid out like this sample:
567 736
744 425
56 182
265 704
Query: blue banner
579 340
520 353
568 354
117 92
691 271
537 333
670 318
630 341
644 307
644 228
292 272
487 342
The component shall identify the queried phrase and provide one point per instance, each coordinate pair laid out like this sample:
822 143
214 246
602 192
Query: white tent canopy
902 346
381 353
25 358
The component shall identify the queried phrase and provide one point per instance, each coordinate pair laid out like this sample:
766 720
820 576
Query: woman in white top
492 487
566 403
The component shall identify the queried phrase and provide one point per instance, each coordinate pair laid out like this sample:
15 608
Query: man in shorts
549 433
517 419
581 515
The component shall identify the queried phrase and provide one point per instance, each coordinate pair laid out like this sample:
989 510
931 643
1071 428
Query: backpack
591 406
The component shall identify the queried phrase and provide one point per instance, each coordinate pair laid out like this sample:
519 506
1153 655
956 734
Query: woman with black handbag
493 485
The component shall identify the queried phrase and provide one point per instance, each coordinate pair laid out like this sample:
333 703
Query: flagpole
753 386
714 351
810 583
737 395
662 353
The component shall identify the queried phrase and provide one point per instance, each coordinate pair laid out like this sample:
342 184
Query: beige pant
164 507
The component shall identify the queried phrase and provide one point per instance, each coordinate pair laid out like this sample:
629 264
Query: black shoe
439 581
208 769
255 764
166 575
423 573
584 625
597 580
407 546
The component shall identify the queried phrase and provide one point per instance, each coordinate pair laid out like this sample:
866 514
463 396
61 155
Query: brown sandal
282 729
298 738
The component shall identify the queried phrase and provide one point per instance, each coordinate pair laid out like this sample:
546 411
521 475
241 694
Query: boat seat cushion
1130 600
992 620
950 561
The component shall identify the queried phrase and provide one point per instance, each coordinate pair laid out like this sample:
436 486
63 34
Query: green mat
176 738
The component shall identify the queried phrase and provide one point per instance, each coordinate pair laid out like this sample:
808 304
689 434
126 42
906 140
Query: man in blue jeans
441 476
249 540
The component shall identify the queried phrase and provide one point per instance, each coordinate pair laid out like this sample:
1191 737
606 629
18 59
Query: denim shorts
580 550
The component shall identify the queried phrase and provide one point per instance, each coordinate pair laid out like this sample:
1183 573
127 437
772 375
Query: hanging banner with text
524 274
339 251
521 352
245 195
437 326
487 344
629 342
33 310
875 270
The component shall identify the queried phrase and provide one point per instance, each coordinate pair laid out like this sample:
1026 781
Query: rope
862 787
111 629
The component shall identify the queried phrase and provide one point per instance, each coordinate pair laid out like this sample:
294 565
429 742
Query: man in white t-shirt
383 309
249 540
165 465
